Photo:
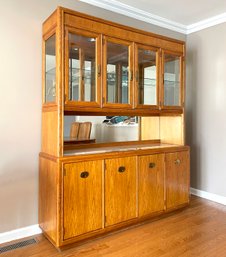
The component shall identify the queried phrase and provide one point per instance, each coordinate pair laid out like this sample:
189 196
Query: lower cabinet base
78 240
86 197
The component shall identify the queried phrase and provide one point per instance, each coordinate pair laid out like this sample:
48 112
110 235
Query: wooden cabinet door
177 178
172 91
120 190
82 68
117 73
151 184
147 68
82 198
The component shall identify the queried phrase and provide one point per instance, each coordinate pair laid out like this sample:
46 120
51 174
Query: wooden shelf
69 141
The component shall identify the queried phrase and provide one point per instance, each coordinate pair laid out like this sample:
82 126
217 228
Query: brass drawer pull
151 165
121 169
131 75
84 174
177 161
99 70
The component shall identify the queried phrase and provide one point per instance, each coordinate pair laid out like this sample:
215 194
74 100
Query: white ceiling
181 11
180 15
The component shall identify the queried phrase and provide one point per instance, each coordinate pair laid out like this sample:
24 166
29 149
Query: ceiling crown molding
206 23
116 6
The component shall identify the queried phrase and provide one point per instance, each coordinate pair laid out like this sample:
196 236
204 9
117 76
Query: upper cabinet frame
83 80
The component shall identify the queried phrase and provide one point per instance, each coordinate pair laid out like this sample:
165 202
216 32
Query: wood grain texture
105 111
120 190
150 128
82 198
48 197
199 230
177 178
119 31
172 130
50 134
151 184
49 23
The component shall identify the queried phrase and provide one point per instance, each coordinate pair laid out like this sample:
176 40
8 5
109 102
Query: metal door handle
177 161
84 174
151 165
121 169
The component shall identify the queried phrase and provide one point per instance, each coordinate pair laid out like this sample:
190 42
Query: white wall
20 101
206 108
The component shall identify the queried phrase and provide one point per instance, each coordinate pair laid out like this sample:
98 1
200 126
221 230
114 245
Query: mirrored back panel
100 129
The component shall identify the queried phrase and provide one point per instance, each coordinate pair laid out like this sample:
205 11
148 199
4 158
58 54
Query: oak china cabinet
96 68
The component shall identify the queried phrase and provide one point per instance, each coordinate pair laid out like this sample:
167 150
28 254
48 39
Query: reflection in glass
50 69
171 80
82 63
117 73
146 77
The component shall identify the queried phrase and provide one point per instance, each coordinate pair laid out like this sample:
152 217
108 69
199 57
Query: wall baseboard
209 196
35 229
20 233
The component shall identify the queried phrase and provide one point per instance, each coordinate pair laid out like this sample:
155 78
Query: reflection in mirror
103 129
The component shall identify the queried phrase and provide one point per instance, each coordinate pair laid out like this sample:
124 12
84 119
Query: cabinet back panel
171 130
150 128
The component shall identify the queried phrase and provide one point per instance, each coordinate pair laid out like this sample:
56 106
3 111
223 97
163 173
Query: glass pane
117 73
50 69
82 66
171 80
147 77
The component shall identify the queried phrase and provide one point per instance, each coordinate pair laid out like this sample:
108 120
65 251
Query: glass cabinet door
83 68
172 87
50 70
146 92
118 73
